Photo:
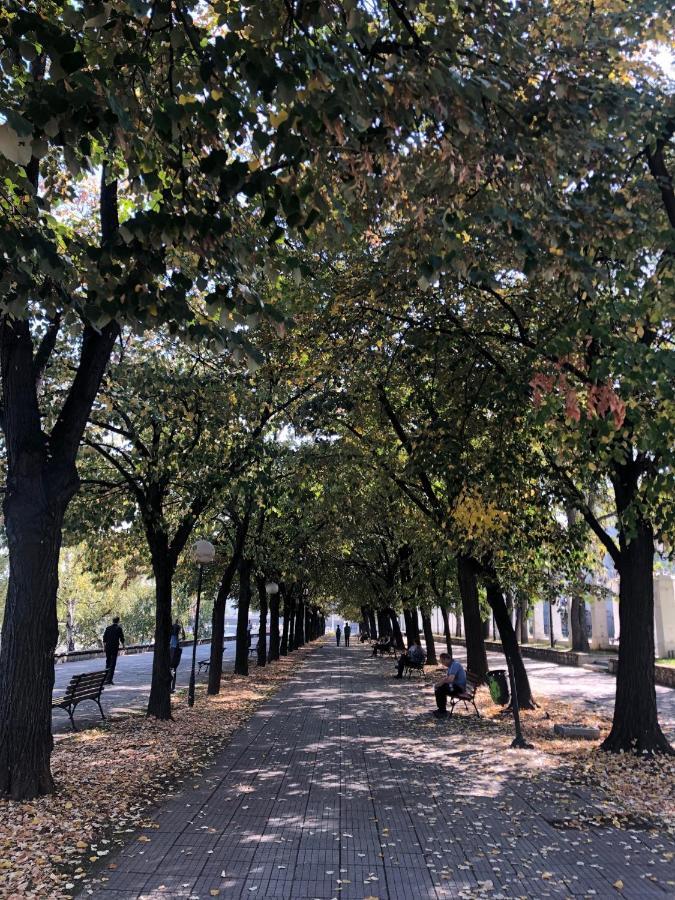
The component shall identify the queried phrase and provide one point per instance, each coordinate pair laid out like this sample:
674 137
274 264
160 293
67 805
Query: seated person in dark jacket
384 645
415 656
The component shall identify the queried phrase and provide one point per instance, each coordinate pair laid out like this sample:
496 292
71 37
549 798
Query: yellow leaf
618 884
216 94
253 165
277 118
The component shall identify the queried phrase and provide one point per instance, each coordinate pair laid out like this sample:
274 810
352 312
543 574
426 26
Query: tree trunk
40 483
70 624
308 624
262 627
274 627
218 625
429 638
578 628
495 598
395 629
159 703
476 657
521 620
446 630
288 618
241 653
383 622
373 623
29 636
458 624
635 726
291 620
299 634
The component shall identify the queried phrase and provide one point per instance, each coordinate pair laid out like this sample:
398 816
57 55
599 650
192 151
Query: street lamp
203 553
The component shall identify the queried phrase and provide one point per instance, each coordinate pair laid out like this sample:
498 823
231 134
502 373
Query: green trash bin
499 686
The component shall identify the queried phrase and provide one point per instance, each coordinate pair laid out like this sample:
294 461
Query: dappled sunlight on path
344 786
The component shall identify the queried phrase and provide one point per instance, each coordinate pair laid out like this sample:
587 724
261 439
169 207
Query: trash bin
499 686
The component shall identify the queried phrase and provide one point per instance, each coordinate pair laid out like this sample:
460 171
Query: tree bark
383 622
521 620
476 657
495 598
70 624
578 628
395 629
218 625
299 634
635 726
458 624
291 620
40 483
429 638
262 627
288 618
241 652
372 622
446 630
274 627
159 702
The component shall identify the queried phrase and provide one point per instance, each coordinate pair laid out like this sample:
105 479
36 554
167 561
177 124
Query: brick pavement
343 786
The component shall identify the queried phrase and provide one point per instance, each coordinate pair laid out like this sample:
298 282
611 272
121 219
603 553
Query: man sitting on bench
413 657
454 682
384 645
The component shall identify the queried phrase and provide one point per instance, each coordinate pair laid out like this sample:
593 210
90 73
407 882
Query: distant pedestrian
338 632
175 651
113 636
348 631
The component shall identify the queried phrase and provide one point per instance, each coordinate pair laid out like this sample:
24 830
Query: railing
97 653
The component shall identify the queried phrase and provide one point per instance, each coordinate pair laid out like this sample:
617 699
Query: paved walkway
343 786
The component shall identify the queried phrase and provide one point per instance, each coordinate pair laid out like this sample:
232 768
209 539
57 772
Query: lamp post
272 591
203 553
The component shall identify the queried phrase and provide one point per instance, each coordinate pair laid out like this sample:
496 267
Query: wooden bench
87 686
390 650
204 664
468 695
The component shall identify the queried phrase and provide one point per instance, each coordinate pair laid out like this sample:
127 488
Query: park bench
468 695
411 667
86 686
204 664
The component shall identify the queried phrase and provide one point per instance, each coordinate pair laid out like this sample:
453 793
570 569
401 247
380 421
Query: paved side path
343 786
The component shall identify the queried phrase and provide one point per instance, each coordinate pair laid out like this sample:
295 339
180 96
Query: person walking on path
338 632
113 636
453 683
175 651
348 631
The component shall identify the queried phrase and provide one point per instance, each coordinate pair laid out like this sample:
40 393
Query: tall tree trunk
429 638
159 702
446 629
291 620
308 623
288 618
409 626
495 598
299 635
41 481
29 636
70 624
262 627
218 624
635 726
395 629
241 652
372 623
521 620
383 622
458 624
578 629
476 657
274 627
